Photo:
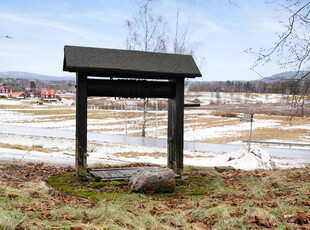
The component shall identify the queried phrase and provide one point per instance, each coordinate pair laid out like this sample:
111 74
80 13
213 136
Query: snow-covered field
62 152
199 126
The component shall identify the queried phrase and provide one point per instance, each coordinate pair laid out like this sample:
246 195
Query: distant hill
25 75
284 76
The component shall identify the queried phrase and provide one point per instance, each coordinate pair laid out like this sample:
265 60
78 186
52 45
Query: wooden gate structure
130 74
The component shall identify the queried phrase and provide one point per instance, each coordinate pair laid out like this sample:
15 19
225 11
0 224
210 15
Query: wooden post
176 127
81 127
171 152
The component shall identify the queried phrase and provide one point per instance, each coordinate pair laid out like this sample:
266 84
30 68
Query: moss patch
67 183
195 185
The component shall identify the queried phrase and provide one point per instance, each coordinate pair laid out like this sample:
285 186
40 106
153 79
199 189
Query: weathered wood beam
176 128
171 127
130 88
191 105
81 126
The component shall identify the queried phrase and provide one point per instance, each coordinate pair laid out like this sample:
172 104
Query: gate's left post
81 126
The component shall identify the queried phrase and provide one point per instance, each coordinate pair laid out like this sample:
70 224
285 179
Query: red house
48 95
5 90
17 95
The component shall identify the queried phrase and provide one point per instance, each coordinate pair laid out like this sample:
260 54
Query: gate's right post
176 127
81 127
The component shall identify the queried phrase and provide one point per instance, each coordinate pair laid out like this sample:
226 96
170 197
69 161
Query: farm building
48 95
17 95
5 90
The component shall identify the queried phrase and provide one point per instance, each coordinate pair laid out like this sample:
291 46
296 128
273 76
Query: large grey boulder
161 180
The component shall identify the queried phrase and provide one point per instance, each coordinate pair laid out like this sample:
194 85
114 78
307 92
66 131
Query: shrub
224 114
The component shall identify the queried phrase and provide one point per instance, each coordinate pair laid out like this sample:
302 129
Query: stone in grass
161 180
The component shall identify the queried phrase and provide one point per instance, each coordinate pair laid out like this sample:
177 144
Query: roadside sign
245 119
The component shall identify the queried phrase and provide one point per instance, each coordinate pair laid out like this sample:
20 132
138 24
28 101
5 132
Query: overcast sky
223 31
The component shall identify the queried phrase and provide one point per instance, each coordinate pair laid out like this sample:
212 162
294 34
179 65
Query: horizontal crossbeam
191 105
130 88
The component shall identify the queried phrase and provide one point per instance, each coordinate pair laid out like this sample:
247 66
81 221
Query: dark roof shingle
128 63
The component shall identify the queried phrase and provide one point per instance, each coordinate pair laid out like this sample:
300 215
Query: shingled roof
128 63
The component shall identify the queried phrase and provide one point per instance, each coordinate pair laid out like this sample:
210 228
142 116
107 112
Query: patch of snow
256 158
4 101
65 101
296 127
207 97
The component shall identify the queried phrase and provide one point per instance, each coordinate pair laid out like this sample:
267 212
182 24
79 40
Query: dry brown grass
56 118
106 114
61 111
295 121
99 165
291 135
285 121
150 154
225 139
224 114
263 134
15 106
209 122
140 154
280 109
27 148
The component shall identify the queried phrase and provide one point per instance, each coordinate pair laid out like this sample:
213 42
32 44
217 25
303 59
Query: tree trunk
126 117
145 102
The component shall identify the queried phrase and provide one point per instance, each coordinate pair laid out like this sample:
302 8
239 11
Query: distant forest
279 87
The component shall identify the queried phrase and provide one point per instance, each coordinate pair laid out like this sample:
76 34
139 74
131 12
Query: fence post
251 120
194 138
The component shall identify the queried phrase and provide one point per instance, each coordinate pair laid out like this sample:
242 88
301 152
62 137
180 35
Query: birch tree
149 33
146 33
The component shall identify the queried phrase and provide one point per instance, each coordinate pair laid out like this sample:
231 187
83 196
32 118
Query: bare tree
147 33
292 50
182 44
